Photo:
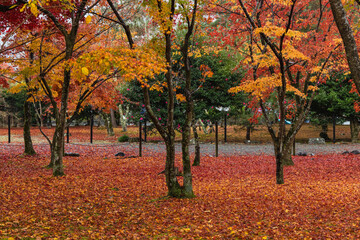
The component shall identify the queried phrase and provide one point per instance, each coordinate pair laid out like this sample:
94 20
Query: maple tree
165 14
271 35
61 70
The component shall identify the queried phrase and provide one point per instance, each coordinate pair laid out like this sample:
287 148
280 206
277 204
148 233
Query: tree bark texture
354 128
349 42
113 119
197 146
29 149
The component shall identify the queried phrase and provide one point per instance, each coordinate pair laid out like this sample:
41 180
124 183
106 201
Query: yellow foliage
313 88
85 71
272 30
290 52
180 97
287 3
258 87
88 19
290 88
17 88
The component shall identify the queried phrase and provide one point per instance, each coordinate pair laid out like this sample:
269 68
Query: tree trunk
187 176
248 132
57 149
347 36
197 146
279 170
108 124
324 130
124 117
287 158
113 119
279 157
29 149
174 188
354 128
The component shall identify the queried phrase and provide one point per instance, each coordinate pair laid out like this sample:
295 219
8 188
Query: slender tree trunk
348 38
279 163
187 176
174 188
29 149
197 146
57 149
108 124
113 119
248 133
354 128
287 158
124 117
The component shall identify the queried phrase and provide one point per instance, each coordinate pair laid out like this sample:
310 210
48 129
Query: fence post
67 134
140 139
145 130
9 129
225 125
91 128
216 140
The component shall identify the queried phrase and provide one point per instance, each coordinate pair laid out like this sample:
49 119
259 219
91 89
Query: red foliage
103 197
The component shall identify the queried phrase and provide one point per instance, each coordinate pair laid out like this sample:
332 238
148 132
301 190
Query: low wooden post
91 128
145 131
67 134
225 125
216 140
334 124
9 129
140 139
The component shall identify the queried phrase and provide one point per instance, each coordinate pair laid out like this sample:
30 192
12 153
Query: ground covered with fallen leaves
104 197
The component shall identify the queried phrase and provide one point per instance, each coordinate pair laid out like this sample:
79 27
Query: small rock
316 141
355 152
120 154
72 154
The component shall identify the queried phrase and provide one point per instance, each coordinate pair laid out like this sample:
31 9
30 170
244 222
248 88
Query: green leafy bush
123 138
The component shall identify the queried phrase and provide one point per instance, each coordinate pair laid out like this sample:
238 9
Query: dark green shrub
123 138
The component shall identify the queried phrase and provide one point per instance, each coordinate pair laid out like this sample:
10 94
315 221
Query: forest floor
107 197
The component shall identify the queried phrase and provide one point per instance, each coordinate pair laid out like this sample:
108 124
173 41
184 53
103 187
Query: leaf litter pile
104 197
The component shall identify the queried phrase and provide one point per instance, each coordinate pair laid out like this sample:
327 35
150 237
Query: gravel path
207 149
230 149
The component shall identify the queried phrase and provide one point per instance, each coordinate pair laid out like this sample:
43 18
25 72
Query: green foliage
334 99
123 138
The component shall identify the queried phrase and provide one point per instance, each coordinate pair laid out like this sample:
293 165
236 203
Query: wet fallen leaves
103 197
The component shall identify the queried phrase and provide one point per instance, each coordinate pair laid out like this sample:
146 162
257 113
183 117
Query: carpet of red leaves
103 197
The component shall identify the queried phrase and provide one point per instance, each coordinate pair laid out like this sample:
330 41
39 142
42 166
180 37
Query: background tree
336 99
348 38
272 34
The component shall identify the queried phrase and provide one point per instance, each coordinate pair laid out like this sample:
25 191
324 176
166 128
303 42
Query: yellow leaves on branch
126 64
85 71
258 87
289 52
88 19
275 31
263 85
180 97
286 3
